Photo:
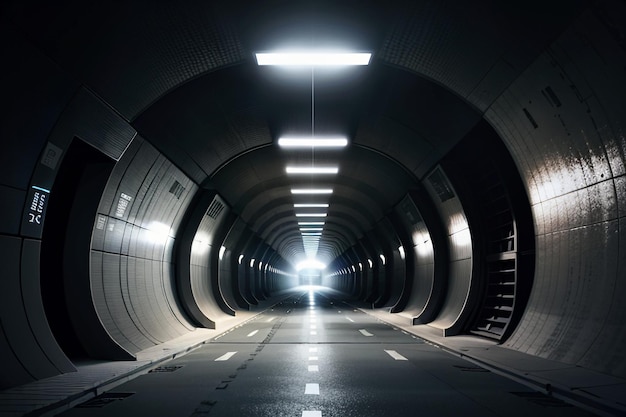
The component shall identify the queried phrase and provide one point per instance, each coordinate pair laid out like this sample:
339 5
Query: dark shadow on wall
72 207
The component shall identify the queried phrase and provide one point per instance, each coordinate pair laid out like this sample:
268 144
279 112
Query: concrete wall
460 279
427 283
198 257
563 120
41 120
132 272
554 90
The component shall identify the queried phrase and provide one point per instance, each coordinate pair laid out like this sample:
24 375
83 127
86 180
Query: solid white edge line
395 355
225 356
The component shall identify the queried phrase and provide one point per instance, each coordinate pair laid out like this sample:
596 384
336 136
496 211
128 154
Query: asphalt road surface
313 356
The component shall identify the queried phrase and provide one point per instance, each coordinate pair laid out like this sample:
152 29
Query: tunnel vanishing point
477 186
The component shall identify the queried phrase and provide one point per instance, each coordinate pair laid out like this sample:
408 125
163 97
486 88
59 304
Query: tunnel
162 185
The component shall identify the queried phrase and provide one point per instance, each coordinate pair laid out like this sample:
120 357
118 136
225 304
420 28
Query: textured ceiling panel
268 221
250 127
212 119
474 48
133 53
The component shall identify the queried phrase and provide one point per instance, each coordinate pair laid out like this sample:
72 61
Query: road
312 355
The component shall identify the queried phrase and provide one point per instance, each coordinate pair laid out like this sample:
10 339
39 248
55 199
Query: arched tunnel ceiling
229 121
254 181
185 76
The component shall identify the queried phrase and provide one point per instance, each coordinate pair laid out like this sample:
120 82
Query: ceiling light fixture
311 191
314 59
315 205
311 229
312 142
310 214
311 170
310 223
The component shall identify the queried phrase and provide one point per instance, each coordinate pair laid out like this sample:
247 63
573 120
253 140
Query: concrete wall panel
610 326
30 349
204 252
453 313
16 369
570 154
137 220
33 306
229 269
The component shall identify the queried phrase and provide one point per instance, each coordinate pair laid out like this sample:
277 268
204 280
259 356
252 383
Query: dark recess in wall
81 164
499 215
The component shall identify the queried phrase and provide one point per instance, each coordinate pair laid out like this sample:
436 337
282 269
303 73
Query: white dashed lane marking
365 332
252 333
349 319
226 356
312 413
312 389
314 368
396 355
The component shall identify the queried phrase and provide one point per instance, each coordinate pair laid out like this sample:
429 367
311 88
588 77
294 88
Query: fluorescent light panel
310 223
311 229
310 214
312 142
311 170
316 59
310 205
311 191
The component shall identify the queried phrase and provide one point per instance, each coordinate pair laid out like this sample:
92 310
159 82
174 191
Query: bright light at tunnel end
310 264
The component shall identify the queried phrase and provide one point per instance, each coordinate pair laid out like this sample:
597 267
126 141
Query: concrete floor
313 356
